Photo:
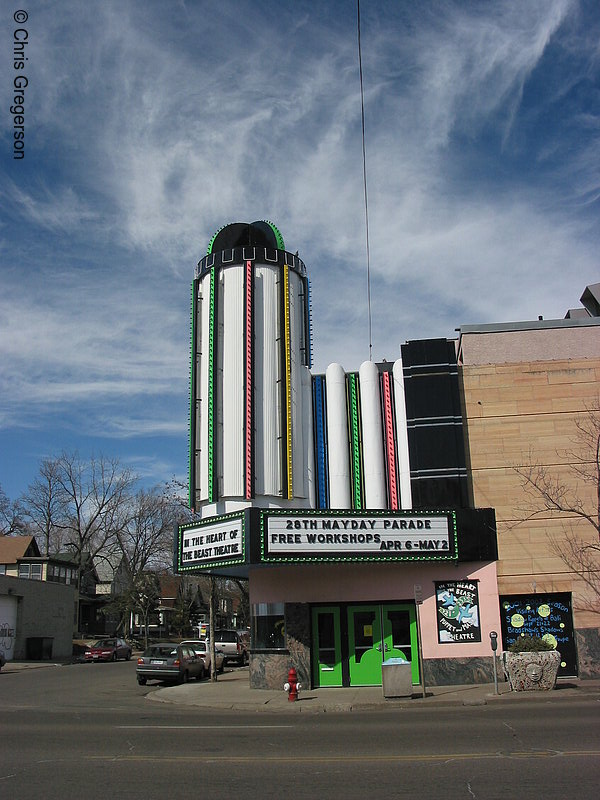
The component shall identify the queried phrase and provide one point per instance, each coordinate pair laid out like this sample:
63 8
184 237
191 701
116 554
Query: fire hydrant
292 687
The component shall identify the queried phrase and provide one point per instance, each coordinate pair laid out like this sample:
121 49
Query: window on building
30 571
268 626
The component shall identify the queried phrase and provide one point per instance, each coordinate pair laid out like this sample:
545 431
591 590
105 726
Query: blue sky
149 125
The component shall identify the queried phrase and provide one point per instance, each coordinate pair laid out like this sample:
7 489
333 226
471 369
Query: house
20 557
113 581
180 603
38 601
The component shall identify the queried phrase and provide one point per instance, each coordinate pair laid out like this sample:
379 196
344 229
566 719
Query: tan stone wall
518 414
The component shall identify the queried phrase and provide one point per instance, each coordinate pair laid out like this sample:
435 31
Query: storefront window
268 626
548 616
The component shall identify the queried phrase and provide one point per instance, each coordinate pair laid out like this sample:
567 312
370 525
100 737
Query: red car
108 650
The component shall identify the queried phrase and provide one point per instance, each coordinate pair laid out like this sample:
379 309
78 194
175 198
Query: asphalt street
90 731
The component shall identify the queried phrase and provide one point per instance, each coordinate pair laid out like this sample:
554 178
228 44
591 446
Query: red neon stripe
249 387
389 440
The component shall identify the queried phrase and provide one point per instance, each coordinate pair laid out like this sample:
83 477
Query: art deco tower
250 394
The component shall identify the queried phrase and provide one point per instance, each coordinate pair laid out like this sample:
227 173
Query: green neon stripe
355 465
211 389
277 232
212 241
192 419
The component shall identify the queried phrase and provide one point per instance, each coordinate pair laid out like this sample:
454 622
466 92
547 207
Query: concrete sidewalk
232 692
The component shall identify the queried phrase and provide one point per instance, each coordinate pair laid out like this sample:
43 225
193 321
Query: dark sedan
108 650
174 663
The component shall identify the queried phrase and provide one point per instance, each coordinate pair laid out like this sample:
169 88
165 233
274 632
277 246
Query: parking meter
494 644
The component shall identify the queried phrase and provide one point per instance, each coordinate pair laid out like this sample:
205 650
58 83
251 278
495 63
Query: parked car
201 648
232 645
174 663
108 650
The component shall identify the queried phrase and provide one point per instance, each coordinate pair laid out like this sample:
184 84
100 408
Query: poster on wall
547 616
457 604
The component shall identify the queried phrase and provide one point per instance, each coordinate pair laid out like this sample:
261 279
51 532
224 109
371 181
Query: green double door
350 643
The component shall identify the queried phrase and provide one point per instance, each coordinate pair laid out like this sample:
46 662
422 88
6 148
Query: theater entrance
351 642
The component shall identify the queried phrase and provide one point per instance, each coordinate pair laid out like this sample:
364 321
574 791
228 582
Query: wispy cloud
151 124
82 337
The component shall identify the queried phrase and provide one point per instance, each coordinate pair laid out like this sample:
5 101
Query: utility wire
364 156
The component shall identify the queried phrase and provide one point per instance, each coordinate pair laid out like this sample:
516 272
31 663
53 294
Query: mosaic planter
529 672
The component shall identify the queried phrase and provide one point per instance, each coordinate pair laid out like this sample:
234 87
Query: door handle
378 647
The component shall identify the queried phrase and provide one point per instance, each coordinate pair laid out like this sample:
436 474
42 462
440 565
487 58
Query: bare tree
176 491
11 521
94 498
188 604
143 598
573 494
244 598
146 534
43 507
80 505
145 541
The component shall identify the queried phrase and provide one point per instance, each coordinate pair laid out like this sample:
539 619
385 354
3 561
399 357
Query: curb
315 705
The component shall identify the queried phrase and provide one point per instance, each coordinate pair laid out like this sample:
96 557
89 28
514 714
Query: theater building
347 499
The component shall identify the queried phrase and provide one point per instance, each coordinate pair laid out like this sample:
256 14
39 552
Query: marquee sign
218 542
357 536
